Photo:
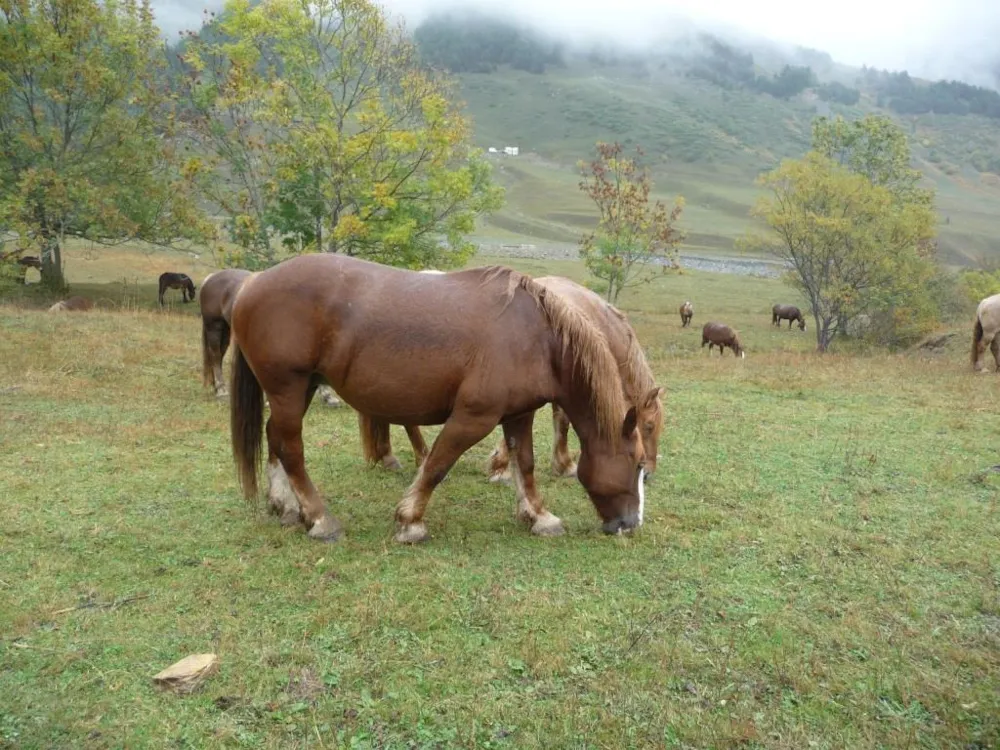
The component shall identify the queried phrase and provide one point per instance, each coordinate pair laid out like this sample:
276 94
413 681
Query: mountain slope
703 141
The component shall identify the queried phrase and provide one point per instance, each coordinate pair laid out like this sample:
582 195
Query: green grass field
819 565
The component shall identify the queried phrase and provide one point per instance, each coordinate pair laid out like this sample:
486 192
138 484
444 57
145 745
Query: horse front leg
291 493
530 509
563 464
460 432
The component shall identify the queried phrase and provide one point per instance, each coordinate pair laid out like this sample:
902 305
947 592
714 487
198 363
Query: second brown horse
469 350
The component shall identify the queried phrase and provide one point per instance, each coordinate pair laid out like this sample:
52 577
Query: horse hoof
332 401
222 395
412 533
326 529
391 463
548 525
502 476
290 517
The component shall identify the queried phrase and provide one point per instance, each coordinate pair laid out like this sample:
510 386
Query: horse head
802 323
611 471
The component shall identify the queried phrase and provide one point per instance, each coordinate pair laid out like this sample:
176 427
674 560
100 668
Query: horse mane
637 377
591 353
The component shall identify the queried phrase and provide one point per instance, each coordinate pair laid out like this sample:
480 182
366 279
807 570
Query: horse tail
977 336
246 414
207 377
374 438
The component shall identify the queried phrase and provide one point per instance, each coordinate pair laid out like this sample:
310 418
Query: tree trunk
823 336
52 270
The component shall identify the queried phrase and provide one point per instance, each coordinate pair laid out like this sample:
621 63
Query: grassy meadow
819 566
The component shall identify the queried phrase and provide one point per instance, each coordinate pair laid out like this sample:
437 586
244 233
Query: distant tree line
728 67
900 93
472 43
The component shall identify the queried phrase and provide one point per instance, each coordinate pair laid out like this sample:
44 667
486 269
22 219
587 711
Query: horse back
395 344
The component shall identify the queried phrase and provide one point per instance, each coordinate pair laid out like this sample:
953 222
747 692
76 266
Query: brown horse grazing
787 312
721 336
636 378
73 304
687 312
986 332
182 281
469 349
218 291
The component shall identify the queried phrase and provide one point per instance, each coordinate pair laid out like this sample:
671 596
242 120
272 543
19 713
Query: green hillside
708 140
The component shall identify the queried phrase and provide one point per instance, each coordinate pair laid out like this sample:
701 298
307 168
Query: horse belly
403 390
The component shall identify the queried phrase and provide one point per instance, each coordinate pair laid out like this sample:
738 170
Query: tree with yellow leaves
854 230
322 131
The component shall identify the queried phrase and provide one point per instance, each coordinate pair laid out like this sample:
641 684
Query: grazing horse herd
469 350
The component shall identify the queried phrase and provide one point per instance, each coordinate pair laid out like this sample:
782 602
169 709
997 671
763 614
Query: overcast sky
932 38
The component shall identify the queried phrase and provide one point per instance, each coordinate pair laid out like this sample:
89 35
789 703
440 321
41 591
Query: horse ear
631 420
647 403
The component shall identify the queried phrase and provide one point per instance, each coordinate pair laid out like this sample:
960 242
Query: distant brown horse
787 312
986 332
73 304
721 336
218 291
687 312
470 349
182 281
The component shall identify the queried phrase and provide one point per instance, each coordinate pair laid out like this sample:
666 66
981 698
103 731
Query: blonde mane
637 377
591 353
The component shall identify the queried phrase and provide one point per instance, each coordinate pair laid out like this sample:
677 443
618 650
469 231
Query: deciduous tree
85 129
333 133
856 231
635 238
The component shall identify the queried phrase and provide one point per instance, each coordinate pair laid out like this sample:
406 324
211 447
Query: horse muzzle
622 525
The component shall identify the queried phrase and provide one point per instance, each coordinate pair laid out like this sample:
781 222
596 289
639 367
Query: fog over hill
927 38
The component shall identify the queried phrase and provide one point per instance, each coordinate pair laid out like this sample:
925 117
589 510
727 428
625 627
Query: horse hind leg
417 443
290 490
563 464
499 466
995 349
530 508
377 443
460 432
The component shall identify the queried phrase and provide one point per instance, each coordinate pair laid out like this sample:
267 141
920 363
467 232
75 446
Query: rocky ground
716 264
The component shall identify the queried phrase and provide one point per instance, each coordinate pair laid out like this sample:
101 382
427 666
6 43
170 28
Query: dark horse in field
986 332
787 312
721 336
218 291
636 377
182 281
469 350
687 312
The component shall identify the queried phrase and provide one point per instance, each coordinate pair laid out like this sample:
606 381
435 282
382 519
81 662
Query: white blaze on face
642 493
743 355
